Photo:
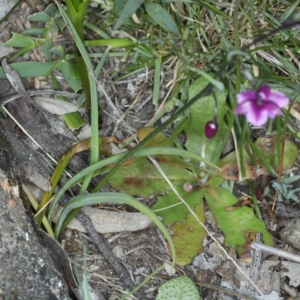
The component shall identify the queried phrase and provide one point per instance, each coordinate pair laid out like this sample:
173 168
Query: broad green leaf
129 9
188 236
19 41
142 178
178 289
114 159
171 214
239 225
32 69
267 148
161 16
215 181
158 140
200 113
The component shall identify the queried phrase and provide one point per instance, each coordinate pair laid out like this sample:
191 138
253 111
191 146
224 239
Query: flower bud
211 129
187 187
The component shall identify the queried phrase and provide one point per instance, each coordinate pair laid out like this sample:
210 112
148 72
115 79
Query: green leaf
96 198
112 43
73 120
118 5
52 28
158 140
142 178
161 16
60 23
35 31
200 113
215 181
51 10
57 50
267 148
32 69
239 225
129 9
77 14
114 159
37 43
156 86
66 69
177 289
214 9
40 17
19 41
289 10
170 214
188 236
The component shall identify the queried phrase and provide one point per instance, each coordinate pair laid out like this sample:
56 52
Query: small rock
290 232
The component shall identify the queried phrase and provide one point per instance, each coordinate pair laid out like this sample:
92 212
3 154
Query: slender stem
269 127
216 109
241 148
254 200
237 44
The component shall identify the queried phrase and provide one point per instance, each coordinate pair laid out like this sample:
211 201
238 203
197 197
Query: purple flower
259 105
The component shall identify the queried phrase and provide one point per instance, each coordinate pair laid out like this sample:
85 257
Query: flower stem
254 200
269 127
237 44
241 146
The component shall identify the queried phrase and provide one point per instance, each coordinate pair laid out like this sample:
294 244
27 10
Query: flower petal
243 107
272 109
264 91
257 117
246 96
278 98
256 114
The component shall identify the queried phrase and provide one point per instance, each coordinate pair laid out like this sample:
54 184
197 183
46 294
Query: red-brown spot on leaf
128 180
138 183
